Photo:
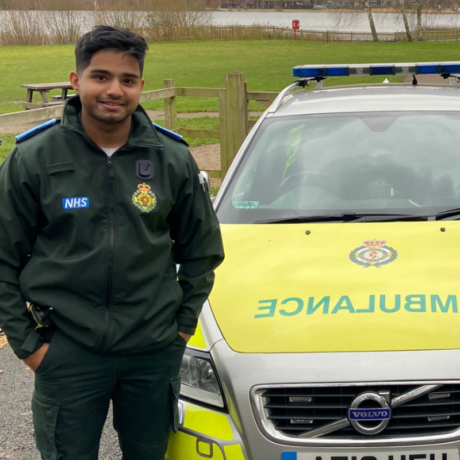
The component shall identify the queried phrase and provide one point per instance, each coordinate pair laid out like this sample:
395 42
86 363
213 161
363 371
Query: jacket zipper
108 297
111 175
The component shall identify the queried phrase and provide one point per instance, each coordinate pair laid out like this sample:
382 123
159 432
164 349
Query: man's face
109 88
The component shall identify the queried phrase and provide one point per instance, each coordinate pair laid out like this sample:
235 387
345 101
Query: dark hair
102 38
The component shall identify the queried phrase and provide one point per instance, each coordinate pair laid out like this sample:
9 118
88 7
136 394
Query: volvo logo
367 419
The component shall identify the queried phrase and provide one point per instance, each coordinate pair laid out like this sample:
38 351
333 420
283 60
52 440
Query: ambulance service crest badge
144 198
373 253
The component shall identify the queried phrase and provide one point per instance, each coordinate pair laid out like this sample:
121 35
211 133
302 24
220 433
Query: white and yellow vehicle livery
333 330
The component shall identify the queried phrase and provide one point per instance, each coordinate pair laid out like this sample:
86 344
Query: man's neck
107 135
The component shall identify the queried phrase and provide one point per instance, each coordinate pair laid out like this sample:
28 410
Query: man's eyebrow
106 72
132 75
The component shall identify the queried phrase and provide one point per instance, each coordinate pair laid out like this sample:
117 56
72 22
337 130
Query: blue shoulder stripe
168 132
32 132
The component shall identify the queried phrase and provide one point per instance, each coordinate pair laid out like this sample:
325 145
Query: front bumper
207 434
237 435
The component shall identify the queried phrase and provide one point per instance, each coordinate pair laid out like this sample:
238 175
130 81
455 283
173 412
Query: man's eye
99 78
129 82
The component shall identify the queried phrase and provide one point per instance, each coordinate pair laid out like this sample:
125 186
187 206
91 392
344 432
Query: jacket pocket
181 340
60 167
47 357
174 384
45 414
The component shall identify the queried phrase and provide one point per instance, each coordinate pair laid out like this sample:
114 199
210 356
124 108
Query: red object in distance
296 27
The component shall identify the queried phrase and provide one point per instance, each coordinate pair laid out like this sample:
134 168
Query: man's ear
142 83
74 80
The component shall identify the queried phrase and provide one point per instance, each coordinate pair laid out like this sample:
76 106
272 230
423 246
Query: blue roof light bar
424 68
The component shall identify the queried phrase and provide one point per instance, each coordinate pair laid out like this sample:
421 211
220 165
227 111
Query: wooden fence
251 33
441 35
234 121
276 33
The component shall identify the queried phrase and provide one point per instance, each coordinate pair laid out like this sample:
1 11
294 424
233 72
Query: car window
369 162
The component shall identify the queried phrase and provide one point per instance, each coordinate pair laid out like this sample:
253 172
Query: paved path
16 429
427 80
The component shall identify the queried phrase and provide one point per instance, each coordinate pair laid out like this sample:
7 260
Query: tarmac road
16 428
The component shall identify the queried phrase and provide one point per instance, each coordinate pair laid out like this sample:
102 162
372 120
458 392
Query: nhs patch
75 203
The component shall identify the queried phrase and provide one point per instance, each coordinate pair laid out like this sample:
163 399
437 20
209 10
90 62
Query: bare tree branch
178 13
368 10
406 22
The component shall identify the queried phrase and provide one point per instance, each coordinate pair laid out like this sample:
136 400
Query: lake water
83 21
344 22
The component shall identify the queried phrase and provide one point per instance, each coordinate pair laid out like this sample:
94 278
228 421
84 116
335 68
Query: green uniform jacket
83 234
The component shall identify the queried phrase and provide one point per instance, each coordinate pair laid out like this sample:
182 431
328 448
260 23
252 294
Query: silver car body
245 376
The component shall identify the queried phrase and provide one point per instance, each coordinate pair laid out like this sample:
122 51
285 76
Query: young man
97 211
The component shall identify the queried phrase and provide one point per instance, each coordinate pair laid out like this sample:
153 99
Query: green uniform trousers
73 389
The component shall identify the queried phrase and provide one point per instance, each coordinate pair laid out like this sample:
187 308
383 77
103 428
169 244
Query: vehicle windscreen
377 163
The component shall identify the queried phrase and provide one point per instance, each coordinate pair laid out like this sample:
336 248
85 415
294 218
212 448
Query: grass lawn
266 64
197 123
8 142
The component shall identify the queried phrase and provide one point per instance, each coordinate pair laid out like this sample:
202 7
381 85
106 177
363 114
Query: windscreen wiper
450 214
299 219
344 217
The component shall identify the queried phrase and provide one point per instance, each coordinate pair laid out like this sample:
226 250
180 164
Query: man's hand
185 336
35 359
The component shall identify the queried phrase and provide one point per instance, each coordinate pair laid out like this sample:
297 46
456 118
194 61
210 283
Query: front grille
298 410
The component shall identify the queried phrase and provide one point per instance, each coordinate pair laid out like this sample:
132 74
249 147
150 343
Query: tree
97 13
419 6
368 10
5 4
345 19
404 17
178 13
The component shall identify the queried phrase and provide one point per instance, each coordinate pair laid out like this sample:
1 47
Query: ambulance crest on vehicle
144 198
373 253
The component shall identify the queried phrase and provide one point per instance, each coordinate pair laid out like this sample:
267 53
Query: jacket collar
143 134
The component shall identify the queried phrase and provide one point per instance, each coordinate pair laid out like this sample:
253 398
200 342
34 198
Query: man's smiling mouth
111 103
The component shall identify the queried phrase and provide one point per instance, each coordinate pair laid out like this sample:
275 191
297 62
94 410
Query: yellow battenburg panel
183 446
342 287
197 339
208 423
234 452
204 448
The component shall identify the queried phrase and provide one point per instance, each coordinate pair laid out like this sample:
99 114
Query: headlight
199 379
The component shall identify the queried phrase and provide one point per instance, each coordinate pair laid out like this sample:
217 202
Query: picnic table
43 89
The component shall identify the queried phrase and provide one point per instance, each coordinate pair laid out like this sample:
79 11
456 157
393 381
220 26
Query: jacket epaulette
32 132
169 133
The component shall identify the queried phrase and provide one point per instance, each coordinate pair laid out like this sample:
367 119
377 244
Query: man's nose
114 88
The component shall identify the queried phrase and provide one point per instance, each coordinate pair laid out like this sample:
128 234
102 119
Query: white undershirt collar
110 152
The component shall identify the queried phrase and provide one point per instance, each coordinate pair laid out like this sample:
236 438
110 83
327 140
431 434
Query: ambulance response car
333 329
